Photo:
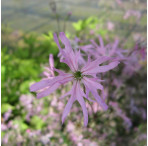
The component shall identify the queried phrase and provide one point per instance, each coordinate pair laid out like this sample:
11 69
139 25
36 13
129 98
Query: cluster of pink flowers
83 77
130 13
111 50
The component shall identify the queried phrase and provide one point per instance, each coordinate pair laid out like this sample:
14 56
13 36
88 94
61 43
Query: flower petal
67 55
99 100
67 108
48 91
51 61
94 64
104 68
70 102
65 41
86 48
79 96
39 85
51 64
101 42
85 113
93 89
93 83
114 48
44 83
94 43
107 67
57 41
60 72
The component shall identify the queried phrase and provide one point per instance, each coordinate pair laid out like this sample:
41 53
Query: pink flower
140 49
7 115
119 2
110 25
4 127
143 53
28 130
110 50
129 13
69 13
119 112
80 77
132 64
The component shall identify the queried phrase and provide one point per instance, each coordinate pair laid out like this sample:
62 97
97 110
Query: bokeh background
27 41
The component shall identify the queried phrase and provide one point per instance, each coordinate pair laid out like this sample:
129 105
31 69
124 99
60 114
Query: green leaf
21 125
5 107
2 134
24 87
37 122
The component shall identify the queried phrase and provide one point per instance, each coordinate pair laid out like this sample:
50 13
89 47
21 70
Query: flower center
78 75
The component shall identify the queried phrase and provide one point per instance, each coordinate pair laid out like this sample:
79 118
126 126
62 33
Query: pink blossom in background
110 26
87 48
7 115
136 37
26 100
69 13
131 64
142 136
119 2
133 108
45 139
3 127
133 60
120 113
32 108
140 50
70 127
143 53
92 32
85 75
6 138
143 113
28 130
118 82
130 13
34 133
110 50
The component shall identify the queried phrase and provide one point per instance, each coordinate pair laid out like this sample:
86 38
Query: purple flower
135 13
3 127
131 64
69 13
143 53
80 77
110 50
119 2
7 115
110 26
119 112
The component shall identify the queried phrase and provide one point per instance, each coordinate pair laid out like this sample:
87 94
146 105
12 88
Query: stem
66 19
64 26
58 22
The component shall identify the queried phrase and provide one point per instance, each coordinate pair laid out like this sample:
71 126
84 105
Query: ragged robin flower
85 76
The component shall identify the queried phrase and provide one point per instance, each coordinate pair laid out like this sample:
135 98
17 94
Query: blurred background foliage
27 41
